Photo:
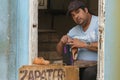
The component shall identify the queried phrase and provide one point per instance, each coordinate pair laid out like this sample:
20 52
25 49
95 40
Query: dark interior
53 23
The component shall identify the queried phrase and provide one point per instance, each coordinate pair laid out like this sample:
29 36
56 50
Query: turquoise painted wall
112 40
14 26
4 38
22 33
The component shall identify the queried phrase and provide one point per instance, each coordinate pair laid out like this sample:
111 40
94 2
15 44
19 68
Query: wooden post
101 14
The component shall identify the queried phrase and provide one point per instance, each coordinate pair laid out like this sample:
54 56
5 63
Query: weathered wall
4 38
14 31
21 33
117 40
112 40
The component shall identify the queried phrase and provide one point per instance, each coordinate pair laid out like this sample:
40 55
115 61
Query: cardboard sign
48 72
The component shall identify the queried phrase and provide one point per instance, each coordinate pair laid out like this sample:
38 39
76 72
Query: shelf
46 30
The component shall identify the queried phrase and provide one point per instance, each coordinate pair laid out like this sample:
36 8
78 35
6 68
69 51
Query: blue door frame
22 32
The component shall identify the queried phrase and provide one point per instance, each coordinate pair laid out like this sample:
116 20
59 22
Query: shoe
41 61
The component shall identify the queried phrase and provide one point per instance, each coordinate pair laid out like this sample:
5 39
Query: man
83 36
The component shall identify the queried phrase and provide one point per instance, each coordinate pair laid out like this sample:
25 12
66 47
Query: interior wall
61 21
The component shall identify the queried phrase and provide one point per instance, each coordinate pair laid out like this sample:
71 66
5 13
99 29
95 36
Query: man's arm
80 44
92 46
59 47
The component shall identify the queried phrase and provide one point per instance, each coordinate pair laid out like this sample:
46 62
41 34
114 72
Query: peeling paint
33 30
101 14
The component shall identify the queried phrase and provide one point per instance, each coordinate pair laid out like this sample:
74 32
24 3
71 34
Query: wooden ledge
83 63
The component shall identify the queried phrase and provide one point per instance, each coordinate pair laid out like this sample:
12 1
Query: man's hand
66 39
76 43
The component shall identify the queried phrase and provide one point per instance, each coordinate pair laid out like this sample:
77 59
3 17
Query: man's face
80 16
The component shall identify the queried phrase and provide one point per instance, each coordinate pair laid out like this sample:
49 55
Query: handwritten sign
43 72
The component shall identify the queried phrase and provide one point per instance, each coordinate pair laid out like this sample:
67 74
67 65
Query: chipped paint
33 37
101 14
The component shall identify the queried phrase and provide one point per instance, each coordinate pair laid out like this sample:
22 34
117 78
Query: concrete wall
4 38
112 40
14 28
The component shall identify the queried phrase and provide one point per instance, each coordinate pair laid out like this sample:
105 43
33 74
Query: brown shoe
74 53
40 60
